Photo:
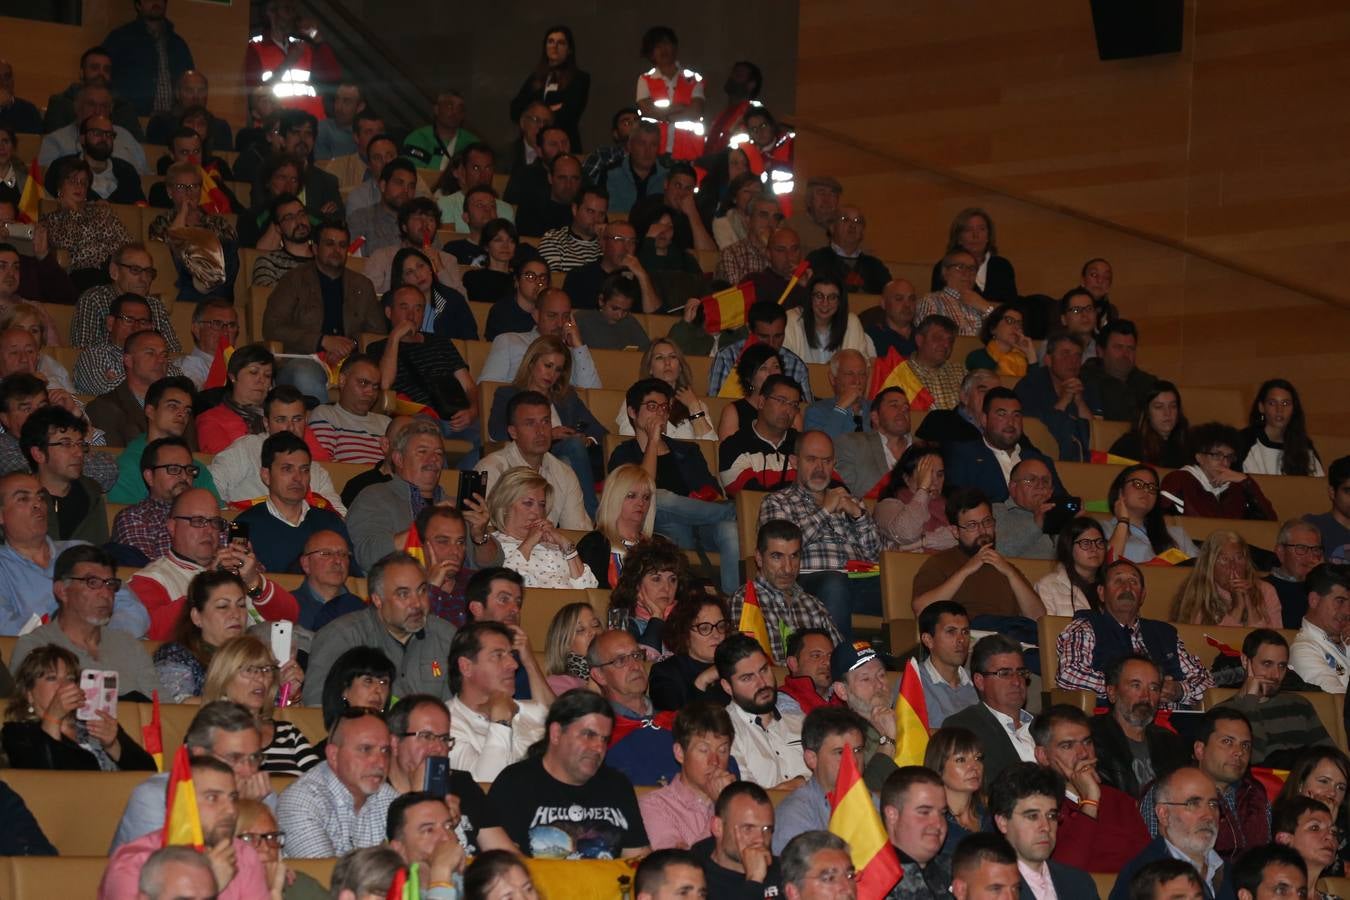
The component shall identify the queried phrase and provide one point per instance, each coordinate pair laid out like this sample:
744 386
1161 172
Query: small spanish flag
1172 556
855 819
1102 458
1271 779
412 545
752 620
213 199
797 274
30 202
895 373
182 822
911 718
152 734
218 374
406 406
435 668
726 309
731 385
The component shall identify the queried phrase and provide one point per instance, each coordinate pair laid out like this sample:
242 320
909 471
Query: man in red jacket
1100 829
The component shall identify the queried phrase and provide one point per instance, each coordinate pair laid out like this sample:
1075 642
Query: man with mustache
1025 806
1093 640
1186 804
1131 749
767 745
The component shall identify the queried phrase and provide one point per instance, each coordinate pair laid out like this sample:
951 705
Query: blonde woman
1223 588
518 510
626 514
243 671
32 318
569 636
689 416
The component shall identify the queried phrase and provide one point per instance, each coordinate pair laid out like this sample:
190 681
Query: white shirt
1006 460
566 509
1018 732
767 754
197 365
483 747
1213 862
1037 880
1319 660
235 472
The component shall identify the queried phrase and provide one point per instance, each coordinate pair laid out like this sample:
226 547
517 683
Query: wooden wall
1195 173
46 57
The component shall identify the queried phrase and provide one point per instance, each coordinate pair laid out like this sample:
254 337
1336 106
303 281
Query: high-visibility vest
729 122
682 139
773 164
293 87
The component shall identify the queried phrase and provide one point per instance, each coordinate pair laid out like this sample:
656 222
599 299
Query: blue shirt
333 140
824 416
315 612
26 591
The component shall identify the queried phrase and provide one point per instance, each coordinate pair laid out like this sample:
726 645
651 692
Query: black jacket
999 752
128 182
1115 764
21 836
29 747
725 884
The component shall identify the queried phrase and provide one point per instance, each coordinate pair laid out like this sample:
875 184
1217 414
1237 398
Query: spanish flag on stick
213 200
752 619
412 545
182 821
855 819
152 735
891 371
911 718
797 274
726 309
731 385
218 374
31 199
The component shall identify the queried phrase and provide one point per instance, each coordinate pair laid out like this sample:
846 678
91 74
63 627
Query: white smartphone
100 694
281 642
19 231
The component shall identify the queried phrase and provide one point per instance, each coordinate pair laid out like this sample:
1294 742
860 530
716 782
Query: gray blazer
860 460
420 666
999 752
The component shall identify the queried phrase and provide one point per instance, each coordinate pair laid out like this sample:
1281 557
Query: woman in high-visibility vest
671 95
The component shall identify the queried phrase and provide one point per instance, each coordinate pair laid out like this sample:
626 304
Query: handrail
1180 245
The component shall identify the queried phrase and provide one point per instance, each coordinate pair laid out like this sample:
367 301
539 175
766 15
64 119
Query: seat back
1327 706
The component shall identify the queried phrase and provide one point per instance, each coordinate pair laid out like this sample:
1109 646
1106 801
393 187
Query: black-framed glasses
1229 458
963 267
1078 310
68 444
985 523
176 469
1090 543
1304 549
215 522
138 271
721 626
1139 484
623 660
1194 804
1021 672
93 582
273 838
218 324
791 404
186 187
429 737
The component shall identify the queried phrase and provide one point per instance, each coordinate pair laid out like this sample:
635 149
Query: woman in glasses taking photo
244 671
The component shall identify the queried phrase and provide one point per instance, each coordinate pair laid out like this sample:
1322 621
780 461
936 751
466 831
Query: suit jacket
1069 883
294 313
860 460
1115 765
118 414
1156 850
999 752
972 464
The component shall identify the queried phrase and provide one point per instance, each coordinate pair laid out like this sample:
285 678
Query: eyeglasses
1078 310
791 404
101 132
623 660
986 522
1021 672
218 324
1090 543
329 555
275 838
656 406
1011 320
135 320
233 760
1039 481
429 737
71 445
1303 549
258 671
186 187
721 626
533 276
93 582
1194 804
621 239
215 522
851 220
1229 458
819 295
138 271
963 267
1139 484
176 469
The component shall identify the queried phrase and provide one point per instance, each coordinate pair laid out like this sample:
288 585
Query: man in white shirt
552 315
768 744
348 429
490 729
530 424
998 720
1319 654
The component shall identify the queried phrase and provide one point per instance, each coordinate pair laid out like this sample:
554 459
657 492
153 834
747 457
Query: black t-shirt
426 373
552 820
474 812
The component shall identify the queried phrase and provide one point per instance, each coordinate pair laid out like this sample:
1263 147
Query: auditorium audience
65 112
1320 773
752 370
759 455
767 322
212 321
495 281
256 826
694 628
623 517
1334 524
737 859
1213 485
744 232
248 379
569 635
379 517
202 242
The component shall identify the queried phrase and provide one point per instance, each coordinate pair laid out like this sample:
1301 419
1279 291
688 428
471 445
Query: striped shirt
564 251
947 302
268 268
347 437
290 752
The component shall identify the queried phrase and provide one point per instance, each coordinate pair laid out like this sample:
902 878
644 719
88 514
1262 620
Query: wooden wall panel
1233 151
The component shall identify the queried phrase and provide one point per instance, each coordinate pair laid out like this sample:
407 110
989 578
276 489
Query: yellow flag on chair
911 718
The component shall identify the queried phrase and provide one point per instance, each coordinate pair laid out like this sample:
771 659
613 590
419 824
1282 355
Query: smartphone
436 781
470 484
1063 512
100 694
237 533
281 633
19 231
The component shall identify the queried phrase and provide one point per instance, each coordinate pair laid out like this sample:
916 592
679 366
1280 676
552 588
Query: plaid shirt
98 369
784 613
144 526
944 382
829 540
741 260
319 818
90 327
793 367
1077 643
452 605
947 302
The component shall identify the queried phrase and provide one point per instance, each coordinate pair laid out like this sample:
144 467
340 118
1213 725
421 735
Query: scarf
1199 474
1010 362
254 421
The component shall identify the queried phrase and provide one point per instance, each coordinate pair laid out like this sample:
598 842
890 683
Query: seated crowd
175 497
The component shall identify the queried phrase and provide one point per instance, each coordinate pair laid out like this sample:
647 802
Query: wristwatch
478 543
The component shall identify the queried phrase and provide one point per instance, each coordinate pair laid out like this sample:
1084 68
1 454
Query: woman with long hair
1072 586
732 222
32 317
695 627
90 231
757 363
911 514
654 576
1007 350
1140 532
495 281
663 359
954 754
972 230
1275 441
243 670
569 636
518 510
1158 437
557 83
625 516
41 730
214 611
819 329
1223 588
447 313
1322 773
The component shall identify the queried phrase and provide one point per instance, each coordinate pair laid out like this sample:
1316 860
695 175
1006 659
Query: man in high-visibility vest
742 89
291 63
671 95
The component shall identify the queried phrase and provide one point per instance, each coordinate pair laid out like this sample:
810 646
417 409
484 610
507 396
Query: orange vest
293 87
683 139
774 165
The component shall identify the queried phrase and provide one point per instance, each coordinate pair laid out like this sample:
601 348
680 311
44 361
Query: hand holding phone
100 694
436 780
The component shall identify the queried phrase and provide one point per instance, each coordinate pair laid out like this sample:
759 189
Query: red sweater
1231 504
1103 844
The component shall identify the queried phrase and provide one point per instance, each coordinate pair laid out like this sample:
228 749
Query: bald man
895 328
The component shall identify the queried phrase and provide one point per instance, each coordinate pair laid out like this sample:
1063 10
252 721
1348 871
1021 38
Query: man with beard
565 803
987 463
114 179
1023 803
1283 722
1131 749
860 684
767 742
295 250
973 573
166 470
809 683
234 862
1187 809
642 745
1223 751
1101 827
1095 639
839 529
737 861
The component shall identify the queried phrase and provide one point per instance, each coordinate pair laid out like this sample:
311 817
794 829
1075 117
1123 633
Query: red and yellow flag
891 371
152 734
1169 557
752 619
731 385
213 200
1102 458
217 375
797 274
30 201
726 309
406 406
911 718
856 820
412 545
182 822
